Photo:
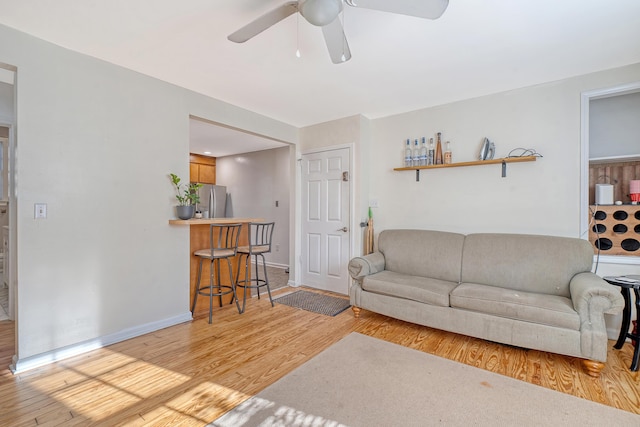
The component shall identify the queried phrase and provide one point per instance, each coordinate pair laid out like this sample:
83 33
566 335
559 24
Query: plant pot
185 212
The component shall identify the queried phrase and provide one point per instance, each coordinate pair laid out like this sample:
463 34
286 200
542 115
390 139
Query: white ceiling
399 63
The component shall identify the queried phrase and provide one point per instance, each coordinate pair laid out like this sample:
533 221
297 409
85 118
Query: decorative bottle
423 152
447 154
431 152
439 150
408 158
416 154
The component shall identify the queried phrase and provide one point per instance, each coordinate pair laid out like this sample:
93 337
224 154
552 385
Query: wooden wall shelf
502 162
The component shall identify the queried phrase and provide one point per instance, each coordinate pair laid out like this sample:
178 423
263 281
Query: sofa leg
356 311
593 367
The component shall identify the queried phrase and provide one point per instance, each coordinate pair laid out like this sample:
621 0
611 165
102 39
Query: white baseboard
20 365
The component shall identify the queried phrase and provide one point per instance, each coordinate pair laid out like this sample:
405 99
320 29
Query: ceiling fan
324 14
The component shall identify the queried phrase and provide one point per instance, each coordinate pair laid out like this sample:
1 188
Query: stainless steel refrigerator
213 201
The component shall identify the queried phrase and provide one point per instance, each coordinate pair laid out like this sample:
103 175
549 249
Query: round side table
626 284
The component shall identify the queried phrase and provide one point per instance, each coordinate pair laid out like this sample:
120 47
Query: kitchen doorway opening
8 208
618 152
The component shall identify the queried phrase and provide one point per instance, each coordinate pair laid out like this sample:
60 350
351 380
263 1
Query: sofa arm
366 265
592 296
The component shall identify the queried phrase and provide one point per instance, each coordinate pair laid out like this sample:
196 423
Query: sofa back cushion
541 264
425 253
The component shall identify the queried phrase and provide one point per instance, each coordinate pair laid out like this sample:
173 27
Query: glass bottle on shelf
431 152
423 152
416 154
447 154
408 157
439 149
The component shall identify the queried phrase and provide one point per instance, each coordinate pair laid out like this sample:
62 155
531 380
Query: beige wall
541 197
96 143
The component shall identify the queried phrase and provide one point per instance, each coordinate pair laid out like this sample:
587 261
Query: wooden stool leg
211 292
195 295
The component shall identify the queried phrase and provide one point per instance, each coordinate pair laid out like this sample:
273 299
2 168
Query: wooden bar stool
260 234
223 244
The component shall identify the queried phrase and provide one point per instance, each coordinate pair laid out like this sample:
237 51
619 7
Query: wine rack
615 230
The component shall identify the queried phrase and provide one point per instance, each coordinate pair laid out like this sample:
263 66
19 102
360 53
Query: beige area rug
364 381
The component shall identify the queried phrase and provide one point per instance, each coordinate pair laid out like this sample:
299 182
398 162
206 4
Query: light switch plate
40 211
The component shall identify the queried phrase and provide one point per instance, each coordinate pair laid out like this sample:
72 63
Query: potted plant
187 196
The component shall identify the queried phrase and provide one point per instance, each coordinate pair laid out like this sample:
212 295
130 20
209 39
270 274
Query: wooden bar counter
199 239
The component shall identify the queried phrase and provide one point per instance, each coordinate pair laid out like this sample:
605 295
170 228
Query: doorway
8 210
597 151
326 217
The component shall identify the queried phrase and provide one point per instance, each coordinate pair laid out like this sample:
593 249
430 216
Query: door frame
585 98
354 226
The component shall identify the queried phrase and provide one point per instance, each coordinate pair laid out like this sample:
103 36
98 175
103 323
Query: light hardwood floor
191 373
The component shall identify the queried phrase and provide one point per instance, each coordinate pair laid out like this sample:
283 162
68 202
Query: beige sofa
529 291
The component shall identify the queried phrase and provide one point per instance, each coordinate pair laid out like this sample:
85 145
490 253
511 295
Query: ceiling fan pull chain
297 35
344 39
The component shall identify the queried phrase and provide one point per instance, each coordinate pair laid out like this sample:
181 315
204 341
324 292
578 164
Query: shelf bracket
504 169
417 175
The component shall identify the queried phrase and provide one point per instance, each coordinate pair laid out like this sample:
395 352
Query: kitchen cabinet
202 169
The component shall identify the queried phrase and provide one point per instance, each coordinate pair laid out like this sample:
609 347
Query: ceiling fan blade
265 21
336 42
429 9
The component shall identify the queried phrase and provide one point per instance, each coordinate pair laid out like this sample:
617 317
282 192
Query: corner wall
541 197
96 143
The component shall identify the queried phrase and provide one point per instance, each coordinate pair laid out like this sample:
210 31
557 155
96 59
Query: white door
325 219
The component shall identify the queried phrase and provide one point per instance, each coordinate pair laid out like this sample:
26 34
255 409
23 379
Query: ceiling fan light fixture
320 12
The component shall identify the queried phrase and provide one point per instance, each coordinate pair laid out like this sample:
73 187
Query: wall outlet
40 211
277 248
373 203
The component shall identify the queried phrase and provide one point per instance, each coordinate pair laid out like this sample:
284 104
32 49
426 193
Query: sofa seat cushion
551 310
416 288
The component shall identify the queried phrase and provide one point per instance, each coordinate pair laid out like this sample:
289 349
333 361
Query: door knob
344 229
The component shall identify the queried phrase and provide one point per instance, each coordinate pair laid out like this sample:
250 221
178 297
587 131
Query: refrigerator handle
212 203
